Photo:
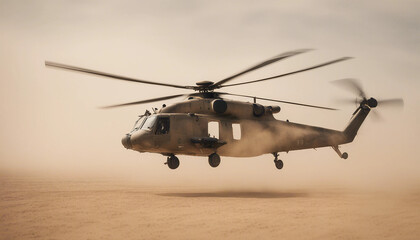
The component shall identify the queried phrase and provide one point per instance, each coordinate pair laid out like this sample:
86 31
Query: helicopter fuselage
228 128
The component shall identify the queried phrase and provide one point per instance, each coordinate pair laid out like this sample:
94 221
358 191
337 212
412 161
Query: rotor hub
204 86
204 83
372 103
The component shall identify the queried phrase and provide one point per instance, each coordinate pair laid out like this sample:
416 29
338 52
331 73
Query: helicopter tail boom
358 118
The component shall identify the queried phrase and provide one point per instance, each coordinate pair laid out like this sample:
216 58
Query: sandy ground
47 209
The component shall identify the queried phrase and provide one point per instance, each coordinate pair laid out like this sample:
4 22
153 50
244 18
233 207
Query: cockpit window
149 123
139 123
162 126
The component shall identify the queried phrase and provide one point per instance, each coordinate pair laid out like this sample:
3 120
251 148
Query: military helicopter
205 124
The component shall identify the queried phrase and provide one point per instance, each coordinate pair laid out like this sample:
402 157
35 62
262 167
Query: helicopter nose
126 141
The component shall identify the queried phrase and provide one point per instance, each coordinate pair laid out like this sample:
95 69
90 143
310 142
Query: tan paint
259 135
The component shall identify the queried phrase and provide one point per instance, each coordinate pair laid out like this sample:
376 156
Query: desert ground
36 208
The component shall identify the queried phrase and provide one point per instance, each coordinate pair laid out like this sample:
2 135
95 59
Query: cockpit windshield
139 123
149 123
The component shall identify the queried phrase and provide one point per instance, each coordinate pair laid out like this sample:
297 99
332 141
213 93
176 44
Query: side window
236 128
213 129
162 126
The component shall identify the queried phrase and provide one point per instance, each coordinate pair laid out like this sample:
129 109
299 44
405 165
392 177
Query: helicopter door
225 131
213 129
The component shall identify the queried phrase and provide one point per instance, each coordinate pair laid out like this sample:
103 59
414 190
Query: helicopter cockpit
148 123
144 127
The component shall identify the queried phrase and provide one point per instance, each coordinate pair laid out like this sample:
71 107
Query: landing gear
343 155
214 160
172 162
278 162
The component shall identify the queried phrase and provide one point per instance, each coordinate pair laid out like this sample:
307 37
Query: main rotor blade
377 116
352 85
94 72
393 102
146 101
353 101
280 101
262 64
290 73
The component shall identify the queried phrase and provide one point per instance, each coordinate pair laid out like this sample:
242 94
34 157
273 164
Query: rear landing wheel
214 160
173 162
279 164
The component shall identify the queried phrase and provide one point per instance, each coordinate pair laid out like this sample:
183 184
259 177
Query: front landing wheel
173 162
279 164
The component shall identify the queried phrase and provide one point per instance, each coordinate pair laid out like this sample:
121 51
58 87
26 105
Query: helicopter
206 124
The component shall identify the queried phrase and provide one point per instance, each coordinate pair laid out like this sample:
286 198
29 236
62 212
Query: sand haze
65 174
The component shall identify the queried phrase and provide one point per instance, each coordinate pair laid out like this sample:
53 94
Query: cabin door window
213 129
236 128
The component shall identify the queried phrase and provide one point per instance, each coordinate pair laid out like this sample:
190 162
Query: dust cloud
65 175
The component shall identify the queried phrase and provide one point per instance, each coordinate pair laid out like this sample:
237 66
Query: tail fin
359 116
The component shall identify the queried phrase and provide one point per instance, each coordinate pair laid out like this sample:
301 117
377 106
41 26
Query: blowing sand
64 209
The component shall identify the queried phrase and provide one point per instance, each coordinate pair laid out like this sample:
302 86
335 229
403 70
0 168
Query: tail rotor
362 100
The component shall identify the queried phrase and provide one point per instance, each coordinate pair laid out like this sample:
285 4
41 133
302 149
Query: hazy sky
50 123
